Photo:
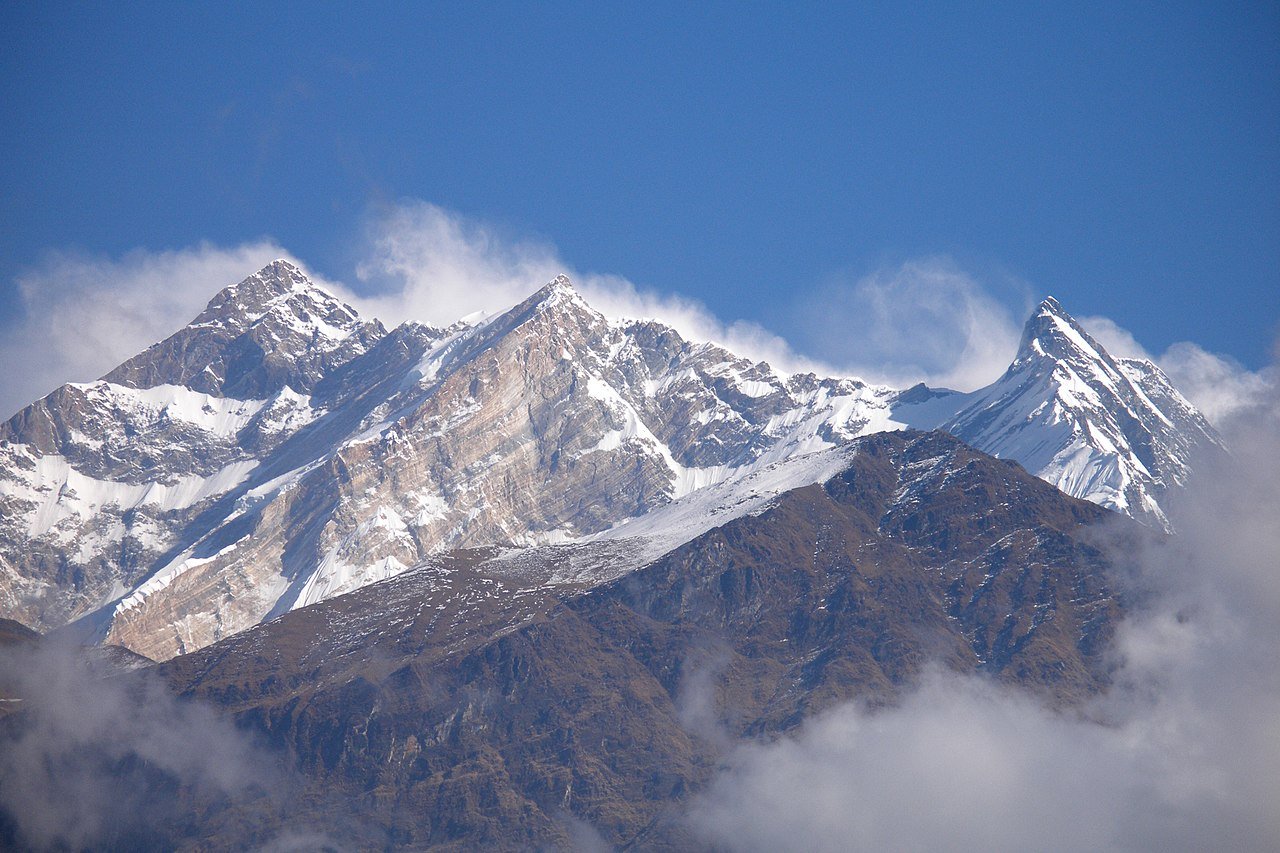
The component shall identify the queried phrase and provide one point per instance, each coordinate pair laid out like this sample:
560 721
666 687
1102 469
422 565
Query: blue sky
1123 157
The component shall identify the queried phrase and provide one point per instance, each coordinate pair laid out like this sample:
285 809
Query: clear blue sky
1122 156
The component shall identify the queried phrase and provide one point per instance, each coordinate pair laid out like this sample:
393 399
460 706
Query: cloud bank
1183 754
100 759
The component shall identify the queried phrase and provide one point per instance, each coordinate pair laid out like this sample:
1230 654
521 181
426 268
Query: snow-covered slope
1112 431
100 481
280 450
543 424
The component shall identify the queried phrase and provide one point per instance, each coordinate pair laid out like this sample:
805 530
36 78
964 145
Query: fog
98 756
1183 753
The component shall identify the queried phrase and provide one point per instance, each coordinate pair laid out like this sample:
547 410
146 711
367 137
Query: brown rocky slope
455 707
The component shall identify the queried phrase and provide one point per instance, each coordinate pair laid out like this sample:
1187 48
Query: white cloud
1115 339
427 264
947 770
1182 754
431 265
83 314
1218 385
922 321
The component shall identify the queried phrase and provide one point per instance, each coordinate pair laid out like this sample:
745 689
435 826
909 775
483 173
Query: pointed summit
554 292
560 284
558 298
272 329
257 294
1112 431
1052 332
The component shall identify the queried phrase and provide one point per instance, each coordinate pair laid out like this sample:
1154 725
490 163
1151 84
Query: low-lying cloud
95 759
1182 754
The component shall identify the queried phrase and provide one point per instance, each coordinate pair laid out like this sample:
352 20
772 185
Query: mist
95 756
1183 753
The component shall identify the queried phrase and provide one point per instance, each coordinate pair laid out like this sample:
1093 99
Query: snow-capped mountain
279 450
99 481
1110 430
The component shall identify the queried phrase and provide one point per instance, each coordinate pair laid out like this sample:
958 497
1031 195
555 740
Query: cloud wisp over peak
921 320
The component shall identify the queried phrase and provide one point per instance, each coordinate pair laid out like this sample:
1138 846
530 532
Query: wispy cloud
428 264
1183 754
82 315
1218 385
924 320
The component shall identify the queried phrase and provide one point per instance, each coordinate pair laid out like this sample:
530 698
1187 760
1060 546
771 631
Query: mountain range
523 582
280 450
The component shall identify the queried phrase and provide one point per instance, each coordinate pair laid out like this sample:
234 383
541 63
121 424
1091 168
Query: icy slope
1112 431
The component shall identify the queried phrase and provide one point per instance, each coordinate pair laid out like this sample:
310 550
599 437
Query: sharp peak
559 284
1047 312
1050 305
1051 331
282 273
559 290
258 292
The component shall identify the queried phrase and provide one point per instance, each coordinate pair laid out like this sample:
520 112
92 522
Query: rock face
272 330
279 450
470 704
543 424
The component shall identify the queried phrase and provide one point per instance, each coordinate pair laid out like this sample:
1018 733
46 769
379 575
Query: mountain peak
558 294
274 328
558 288
255 295
1049 305
1052 332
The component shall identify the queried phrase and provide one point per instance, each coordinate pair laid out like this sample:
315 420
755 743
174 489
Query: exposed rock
464 705
280 450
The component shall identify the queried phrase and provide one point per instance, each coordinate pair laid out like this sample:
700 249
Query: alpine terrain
280 450
481 586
